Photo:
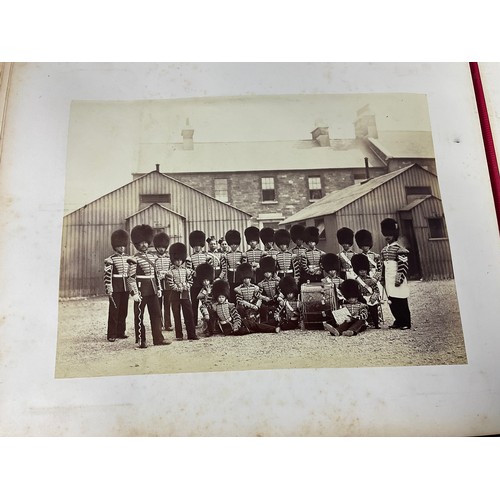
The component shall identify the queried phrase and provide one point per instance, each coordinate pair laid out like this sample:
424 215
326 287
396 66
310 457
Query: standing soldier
145 287
214 256
345 237
254 253
198 256
162 265
299 250
115 283
232 260
180 280
205 277
394 272
310 262
286 262
267 238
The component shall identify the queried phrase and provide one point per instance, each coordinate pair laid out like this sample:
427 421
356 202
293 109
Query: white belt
143 277
120 276
286 272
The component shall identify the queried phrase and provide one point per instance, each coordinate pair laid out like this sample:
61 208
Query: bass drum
318 302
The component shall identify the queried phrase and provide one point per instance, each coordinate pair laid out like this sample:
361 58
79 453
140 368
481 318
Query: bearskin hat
282 237
350 289
142 232
330 262
345 236
288 285
364 238
119 238
311 233
204 271
161 240
360 262
220 288
244 271
197 239
233 237
252 234
267 264
267 235
178 251
390 227
297 232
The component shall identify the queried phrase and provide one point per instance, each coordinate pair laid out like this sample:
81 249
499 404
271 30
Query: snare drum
318 301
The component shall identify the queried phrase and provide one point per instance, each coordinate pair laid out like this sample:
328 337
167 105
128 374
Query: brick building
273 180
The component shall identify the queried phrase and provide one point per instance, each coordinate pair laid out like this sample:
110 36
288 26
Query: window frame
226 190
309 190
274 190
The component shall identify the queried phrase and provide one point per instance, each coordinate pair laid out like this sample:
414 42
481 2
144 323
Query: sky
105 137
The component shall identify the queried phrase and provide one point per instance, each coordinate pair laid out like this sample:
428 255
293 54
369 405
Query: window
315 191
220 190
268 191
154 198
320 224
417 192
436 227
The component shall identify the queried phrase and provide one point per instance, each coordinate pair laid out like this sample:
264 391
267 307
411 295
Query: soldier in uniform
345 237
288 313
115 283
145 287
394 275
205 277
299 250
162 265
254 253
227 318
214 256
330 264
368 288
198 256
269 289
364 240
267 238
286 262
310 263
232 260
180 280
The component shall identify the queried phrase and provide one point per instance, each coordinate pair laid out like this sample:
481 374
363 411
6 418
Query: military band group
219 289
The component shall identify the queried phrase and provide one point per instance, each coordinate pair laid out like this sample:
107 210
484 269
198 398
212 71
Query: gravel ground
435 339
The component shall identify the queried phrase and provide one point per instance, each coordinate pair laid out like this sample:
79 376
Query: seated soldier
269 290
227 319
205 277
288 314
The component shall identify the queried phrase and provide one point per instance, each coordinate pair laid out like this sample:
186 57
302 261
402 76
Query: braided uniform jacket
287 263
269 287
248 295
230 262
299 251
142 278
227 313
253 256
397 253
358 310
116 273
195 259
271 252
335 282
345 260
290 309
162 265
215 260
369 290
205 298
395 269
375 264
312 258
180 279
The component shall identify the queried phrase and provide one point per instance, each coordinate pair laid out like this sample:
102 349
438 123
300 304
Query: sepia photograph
316 222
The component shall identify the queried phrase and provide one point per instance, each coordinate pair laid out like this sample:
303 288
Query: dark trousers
267 312
179 303
195 290
373 316
357 326
289 324
151 301
400 311
165 309
117 315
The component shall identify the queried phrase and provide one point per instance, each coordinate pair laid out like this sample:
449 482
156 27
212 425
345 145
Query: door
414 267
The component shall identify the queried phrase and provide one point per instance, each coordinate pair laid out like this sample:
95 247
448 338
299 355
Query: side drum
318 302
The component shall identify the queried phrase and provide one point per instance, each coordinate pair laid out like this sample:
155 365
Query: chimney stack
320 134
367 168
187 135
157 167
